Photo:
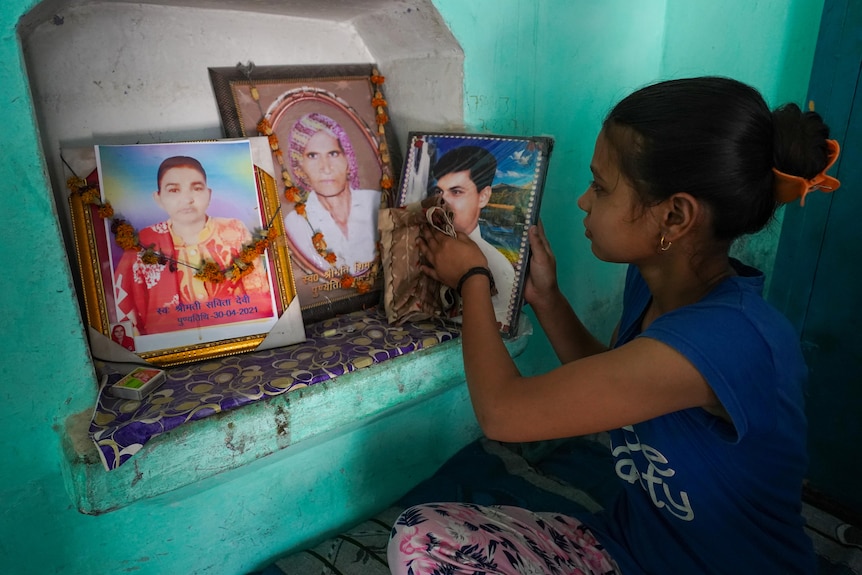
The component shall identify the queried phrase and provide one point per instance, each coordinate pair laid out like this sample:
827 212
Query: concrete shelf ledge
226 443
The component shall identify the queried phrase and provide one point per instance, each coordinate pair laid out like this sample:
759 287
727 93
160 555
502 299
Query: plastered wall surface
551 67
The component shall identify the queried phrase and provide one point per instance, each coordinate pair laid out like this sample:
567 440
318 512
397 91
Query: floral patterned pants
461 538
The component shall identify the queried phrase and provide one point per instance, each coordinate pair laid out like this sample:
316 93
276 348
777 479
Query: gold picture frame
194 319
349 98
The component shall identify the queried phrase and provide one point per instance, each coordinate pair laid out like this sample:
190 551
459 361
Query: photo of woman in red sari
165 295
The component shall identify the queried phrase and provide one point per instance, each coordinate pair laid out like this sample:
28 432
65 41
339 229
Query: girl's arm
635 382
638 381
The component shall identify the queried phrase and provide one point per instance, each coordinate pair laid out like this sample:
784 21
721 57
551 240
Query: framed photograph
493 186
330 137
175 247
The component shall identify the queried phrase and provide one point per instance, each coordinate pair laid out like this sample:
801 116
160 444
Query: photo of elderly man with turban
335 228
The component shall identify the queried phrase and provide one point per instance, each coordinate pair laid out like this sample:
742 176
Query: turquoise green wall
544 67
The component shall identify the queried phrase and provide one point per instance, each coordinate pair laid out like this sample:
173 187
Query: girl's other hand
445 258
542 276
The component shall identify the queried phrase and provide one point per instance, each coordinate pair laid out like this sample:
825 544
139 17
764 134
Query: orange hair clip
787 188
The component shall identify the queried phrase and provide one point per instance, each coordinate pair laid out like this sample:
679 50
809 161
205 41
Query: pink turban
304 128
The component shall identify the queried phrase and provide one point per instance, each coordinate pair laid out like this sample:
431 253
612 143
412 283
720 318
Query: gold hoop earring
662 246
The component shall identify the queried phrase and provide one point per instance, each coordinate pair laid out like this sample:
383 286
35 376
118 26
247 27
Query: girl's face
325 164
184 195
620 228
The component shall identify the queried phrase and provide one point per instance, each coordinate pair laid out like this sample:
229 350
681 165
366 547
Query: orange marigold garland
125 234
382 118
106 211
293 194
211 272
319 244
127 238
242 263
238 270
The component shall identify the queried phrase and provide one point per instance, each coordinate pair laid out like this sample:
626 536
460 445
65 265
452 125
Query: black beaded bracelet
472 272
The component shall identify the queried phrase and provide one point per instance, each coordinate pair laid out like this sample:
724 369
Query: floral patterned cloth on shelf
121 427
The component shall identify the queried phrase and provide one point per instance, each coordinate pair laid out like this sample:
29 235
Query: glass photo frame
493 185
174 244
330 221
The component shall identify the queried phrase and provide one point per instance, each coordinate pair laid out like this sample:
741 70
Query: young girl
701 387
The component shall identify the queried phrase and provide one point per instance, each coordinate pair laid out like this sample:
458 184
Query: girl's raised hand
542 276
445 258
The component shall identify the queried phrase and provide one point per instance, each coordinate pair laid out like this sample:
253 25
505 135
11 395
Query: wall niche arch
122 72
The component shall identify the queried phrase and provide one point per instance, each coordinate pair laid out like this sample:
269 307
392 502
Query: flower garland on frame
126 237
298 197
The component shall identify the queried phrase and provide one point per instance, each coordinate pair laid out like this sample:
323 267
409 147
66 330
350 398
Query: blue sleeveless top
701 495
